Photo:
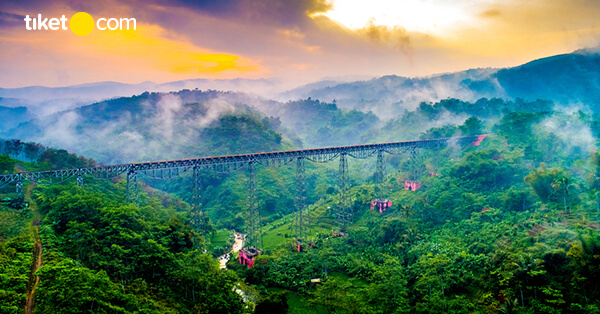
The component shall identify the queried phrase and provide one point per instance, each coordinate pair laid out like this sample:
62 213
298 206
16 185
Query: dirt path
34 280
237 245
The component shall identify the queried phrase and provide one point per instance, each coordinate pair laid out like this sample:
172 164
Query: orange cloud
148 53
151 43
300 66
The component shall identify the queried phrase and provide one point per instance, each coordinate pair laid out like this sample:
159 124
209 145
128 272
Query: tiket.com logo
80 23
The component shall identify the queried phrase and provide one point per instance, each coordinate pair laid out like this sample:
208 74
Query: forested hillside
568 79
510 225
154 126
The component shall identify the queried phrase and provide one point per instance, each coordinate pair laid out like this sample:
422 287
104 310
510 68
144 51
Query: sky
294 41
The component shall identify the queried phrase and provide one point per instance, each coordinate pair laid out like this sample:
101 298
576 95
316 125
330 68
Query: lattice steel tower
301 214
343 212
379 175
252 215
132 187
198 218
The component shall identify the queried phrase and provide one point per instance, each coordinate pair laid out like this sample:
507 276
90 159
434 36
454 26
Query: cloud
113 56
574 133
396 36
270 38
490 13
278 12
175 55
165 126
10 19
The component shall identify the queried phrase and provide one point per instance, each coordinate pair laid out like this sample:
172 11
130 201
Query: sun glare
412 15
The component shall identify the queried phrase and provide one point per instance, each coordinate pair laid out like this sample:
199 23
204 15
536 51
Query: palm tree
527 270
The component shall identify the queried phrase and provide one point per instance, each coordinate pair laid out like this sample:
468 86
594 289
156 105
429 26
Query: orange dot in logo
81 23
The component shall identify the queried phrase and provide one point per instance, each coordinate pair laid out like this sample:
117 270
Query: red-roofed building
248 254
411 185
380 204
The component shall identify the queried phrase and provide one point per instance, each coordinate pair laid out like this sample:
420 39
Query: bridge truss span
224 164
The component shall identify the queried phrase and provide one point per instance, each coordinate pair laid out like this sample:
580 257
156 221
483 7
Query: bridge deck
324 154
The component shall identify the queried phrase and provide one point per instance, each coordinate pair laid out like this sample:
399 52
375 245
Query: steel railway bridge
169 168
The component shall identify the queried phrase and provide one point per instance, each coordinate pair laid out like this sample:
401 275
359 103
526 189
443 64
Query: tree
69 288
516 200
561 186
527 274
472 126
542 181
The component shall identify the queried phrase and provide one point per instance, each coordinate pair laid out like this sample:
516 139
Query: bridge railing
315 154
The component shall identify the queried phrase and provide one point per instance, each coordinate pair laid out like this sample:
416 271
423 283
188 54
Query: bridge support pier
198 219
132 187
415 164
79 180
252 214
343 213
301 215
379 175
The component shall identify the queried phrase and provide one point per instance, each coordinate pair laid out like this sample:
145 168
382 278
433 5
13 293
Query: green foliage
15 263
13 222
487 233
517 126
491 229
553 185
102 256
516 200
471 127
483 170
325 124
69 288
240 134
6 164
61 159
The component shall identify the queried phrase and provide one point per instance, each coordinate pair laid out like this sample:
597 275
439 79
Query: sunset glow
412 15
297 42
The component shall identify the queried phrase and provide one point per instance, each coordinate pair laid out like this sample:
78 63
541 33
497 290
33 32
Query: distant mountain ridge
104 90
89 91
137 128
179 124
16 115
388 96
42 101
566 79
